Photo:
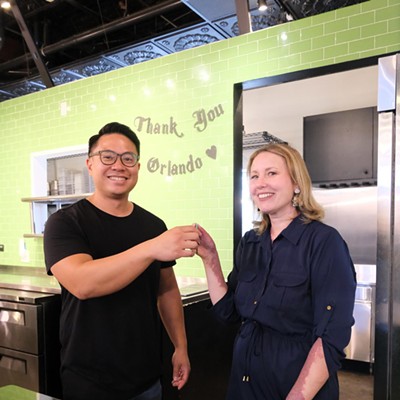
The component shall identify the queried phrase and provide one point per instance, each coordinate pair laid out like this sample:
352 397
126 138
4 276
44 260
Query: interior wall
184 91
280 109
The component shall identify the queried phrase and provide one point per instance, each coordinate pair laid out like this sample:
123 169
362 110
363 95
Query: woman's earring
295 197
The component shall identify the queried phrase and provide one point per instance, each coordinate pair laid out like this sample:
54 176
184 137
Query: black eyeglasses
109 157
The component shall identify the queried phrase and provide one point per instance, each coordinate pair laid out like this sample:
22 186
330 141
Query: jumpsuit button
329 308
255 302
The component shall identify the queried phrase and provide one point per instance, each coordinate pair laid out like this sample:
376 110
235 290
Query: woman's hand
206 248
215 278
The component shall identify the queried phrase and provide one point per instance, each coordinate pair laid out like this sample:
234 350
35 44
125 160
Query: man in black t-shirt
113 260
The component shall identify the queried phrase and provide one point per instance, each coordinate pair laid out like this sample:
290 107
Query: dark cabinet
210 343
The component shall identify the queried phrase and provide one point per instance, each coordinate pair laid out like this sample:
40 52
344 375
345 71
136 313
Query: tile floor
356 383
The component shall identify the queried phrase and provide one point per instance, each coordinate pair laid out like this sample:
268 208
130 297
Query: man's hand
181 369
181 241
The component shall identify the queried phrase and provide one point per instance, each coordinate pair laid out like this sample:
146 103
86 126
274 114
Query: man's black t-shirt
112 341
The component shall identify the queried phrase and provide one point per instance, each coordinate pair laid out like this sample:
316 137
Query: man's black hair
115 127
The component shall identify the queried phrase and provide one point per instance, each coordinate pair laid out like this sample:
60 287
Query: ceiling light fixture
5 4
262 5
289 17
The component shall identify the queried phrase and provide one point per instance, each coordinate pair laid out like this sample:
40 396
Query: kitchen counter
36 280
209 340
28 278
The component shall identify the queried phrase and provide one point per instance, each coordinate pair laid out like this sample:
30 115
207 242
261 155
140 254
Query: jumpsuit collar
293 231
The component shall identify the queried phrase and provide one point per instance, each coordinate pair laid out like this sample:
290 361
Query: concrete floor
356 384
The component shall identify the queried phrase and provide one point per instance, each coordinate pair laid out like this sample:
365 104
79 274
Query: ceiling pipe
285 6
92 33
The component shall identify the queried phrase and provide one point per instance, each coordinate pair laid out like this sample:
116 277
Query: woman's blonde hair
304 201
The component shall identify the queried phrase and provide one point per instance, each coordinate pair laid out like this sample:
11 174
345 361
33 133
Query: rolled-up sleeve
333 285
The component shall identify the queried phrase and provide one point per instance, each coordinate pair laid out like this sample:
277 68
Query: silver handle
13 364
12 317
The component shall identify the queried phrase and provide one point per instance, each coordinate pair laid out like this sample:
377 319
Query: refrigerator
387 317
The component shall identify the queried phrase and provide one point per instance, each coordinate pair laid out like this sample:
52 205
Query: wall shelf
65 169
55 199
41 207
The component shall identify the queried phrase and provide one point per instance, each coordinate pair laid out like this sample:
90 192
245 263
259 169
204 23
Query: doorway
278 105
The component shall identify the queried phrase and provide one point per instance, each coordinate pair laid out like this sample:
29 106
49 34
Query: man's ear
89 164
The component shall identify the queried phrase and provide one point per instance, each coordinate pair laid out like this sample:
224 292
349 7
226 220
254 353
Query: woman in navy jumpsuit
292 287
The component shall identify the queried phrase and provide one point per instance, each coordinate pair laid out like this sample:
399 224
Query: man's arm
86 278
171 312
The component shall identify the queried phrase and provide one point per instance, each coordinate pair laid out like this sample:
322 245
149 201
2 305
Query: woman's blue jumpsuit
288 293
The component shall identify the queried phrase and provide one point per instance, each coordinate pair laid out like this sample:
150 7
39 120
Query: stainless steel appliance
387 328
29 346
361 346
353 212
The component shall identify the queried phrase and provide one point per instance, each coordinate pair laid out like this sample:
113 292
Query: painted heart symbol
212 152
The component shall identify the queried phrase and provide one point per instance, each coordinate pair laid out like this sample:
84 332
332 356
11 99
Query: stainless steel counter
36 280
29 279
32 293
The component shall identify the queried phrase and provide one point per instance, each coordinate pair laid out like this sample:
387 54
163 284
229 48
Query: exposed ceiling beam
91 33
243 16
37 58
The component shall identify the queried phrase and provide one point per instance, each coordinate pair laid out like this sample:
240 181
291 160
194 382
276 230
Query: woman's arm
333 289
207 251
313 375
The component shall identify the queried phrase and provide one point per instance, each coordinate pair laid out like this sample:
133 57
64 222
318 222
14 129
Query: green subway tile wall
181 106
